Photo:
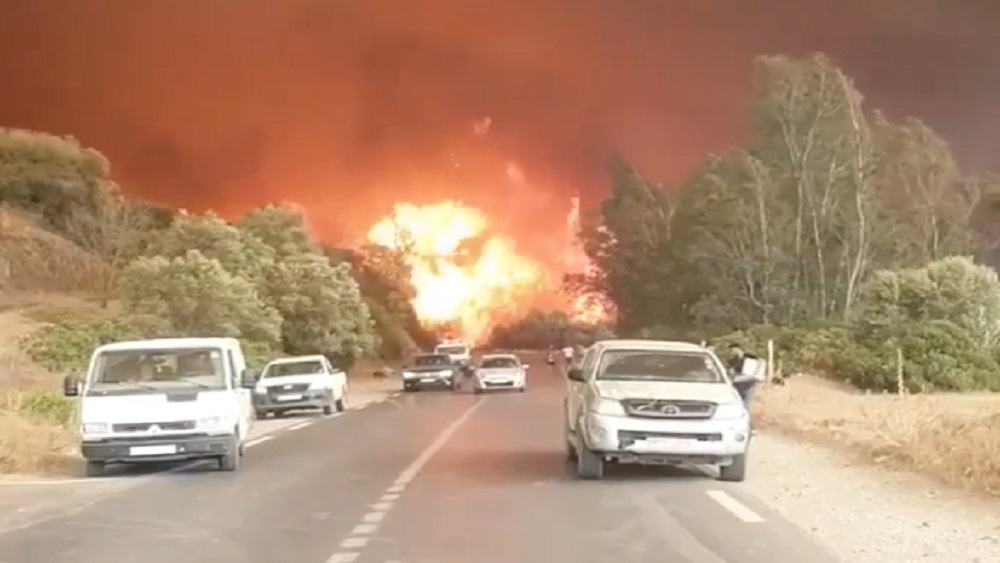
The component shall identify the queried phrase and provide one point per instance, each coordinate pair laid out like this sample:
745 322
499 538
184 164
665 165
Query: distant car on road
298 383
500 371
656 403
431 370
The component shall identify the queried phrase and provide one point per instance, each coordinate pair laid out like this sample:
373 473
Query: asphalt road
431 477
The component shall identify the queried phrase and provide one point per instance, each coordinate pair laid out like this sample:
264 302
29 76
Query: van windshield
156 371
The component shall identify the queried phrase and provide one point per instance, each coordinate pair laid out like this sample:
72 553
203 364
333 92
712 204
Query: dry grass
28 447
951 437
32 258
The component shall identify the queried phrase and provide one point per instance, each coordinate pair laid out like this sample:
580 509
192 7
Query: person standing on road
568 354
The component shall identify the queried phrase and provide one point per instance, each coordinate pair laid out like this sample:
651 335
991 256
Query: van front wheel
231 460
94 469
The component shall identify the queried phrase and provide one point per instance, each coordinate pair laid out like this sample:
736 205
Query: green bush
43 407
67 347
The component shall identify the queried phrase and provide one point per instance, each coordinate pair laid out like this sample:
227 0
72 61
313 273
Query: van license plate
292 397
169 449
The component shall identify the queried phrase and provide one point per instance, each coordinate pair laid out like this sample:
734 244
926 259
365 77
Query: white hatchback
500 371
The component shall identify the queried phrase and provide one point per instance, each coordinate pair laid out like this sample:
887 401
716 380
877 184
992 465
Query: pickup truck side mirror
575 374
248 379
525 366
72 385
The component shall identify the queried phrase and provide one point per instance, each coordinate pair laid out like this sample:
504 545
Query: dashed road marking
255 441
298 425
362 529
351 543
735 507
380 509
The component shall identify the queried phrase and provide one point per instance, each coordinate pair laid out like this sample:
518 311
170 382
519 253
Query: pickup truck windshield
493 363
432 360
658 365
293 368
452 350
157 371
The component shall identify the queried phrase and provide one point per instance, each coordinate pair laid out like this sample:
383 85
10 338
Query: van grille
146 426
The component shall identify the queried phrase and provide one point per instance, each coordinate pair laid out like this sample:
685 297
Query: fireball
462 274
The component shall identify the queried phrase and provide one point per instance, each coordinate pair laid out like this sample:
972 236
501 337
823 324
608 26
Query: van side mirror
575 374
248 379
72 385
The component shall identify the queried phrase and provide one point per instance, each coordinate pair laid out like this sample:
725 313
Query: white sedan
500 371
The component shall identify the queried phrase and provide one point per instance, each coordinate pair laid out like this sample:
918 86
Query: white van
164 400
300 382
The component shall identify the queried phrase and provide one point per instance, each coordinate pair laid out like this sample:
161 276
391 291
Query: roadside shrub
41 407
67 347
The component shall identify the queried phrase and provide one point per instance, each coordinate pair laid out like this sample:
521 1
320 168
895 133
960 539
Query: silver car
500 371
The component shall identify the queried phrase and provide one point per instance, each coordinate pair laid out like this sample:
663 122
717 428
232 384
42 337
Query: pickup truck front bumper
667 441
161 448
313 399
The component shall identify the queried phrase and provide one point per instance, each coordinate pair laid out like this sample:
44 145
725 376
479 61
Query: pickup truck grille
658 408
163 426
291 388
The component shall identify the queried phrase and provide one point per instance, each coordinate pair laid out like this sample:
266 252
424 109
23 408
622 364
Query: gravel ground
868 514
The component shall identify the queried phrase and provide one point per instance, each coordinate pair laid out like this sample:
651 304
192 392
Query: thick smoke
346 107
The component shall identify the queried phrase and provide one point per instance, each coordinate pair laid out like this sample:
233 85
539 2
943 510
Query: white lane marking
414 468
735 507
381 508
298 425
256 441
354 542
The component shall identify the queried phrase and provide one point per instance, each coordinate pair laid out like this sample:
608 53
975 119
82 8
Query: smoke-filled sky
348 105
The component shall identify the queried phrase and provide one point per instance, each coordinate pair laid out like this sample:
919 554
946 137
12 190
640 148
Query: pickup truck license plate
428 380
168 449
665 444
290 397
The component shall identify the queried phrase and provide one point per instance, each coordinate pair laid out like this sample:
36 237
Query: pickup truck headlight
730 411
607 406
317 386
95 428
408 375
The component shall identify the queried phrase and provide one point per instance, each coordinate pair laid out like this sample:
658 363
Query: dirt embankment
954 438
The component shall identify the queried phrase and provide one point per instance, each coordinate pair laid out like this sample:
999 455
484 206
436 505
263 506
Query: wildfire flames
462 274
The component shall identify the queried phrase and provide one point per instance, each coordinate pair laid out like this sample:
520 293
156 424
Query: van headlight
730 411
95 428
608 406
215 423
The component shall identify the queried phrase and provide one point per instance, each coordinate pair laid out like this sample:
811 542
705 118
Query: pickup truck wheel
260 415
231 460
589 465
278 414
328 410
341 404
736 472
570 451
94 469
